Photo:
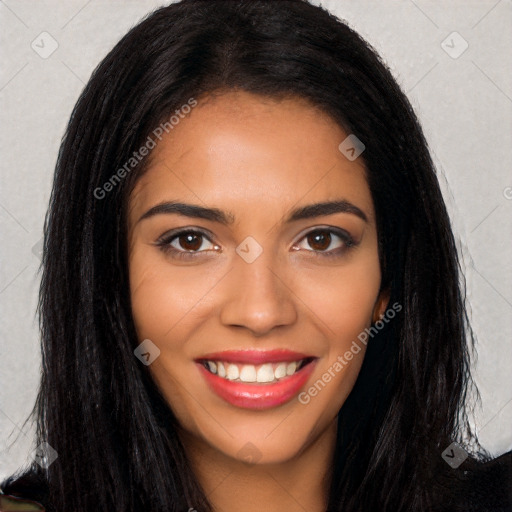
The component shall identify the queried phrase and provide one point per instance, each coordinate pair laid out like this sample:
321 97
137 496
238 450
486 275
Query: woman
250 296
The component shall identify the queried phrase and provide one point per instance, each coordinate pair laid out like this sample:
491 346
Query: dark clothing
481 487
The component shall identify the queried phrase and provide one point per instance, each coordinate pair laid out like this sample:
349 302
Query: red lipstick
257 395
255 356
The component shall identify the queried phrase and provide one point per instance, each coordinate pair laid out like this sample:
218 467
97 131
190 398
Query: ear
380 305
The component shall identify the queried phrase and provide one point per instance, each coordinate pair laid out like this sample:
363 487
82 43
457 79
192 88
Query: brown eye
186 243
330 242
190 241
319 240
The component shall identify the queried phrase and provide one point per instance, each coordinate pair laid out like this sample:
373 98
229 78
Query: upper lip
255 356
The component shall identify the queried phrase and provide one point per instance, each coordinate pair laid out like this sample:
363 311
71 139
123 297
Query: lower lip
258 396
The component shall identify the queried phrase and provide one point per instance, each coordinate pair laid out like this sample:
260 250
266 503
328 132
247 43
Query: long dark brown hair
98 407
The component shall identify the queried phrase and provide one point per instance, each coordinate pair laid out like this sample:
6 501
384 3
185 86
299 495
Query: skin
256 159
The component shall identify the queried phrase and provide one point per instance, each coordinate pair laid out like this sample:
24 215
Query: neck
301 483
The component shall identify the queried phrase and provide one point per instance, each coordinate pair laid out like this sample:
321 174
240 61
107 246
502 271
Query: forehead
243 150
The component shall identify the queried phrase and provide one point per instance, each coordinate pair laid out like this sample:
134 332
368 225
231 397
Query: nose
257 298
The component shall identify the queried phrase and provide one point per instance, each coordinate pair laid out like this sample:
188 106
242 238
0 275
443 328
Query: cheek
344 297
165 303
342 301
161 295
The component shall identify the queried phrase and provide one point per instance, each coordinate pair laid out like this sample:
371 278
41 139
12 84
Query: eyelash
164 243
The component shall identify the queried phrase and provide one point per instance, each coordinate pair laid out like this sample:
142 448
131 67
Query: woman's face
255 274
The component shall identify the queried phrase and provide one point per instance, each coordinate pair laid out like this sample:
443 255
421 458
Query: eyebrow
214 214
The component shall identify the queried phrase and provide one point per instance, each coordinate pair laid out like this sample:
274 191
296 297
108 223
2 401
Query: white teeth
280 371
290 369
248 373
265 373
232 372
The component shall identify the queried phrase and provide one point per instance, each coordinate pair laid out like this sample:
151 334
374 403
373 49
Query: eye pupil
190 241
320 240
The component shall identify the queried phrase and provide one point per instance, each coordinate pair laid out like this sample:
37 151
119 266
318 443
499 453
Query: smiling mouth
267 373
256 379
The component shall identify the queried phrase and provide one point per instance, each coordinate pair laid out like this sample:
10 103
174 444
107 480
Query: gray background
464 101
